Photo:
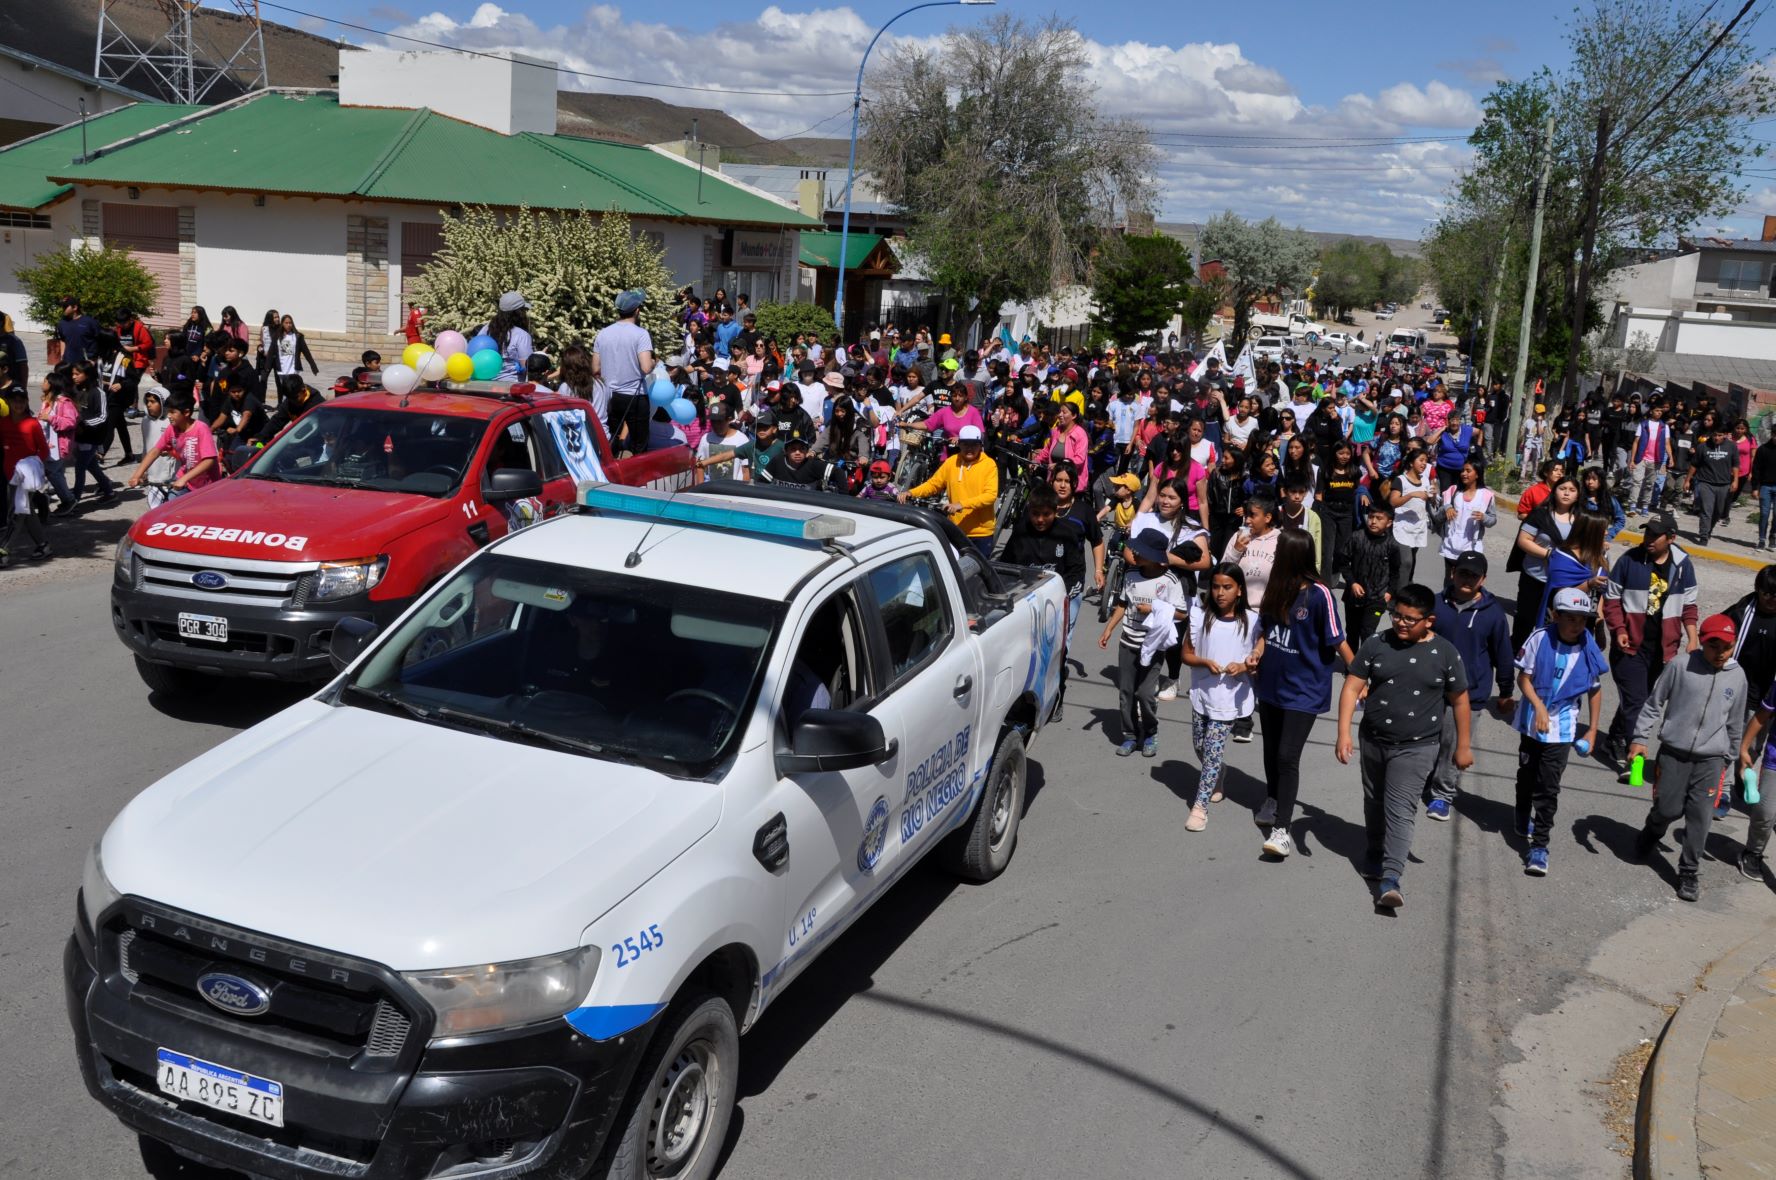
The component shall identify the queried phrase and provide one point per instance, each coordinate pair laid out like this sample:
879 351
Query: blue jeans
58 480
86 458
1766 513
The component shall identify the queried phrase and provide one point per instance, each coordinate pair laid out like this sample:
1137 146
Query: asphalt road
1127 999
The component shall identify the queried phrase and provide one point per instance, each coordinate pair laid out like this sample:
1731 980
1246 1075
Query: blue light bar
689 508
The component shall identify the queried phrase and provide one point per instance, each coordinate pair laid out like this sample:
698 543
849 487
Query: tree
784 320
992 146
1140 287
105 280
1259 258
1202 299
569 266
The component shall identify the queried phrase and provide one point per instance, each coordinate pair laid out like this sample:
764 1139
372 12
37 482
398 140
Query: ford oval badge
208 580
233 994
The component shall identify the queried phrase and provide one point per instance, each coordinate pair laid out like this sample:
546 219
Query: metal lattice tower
174 66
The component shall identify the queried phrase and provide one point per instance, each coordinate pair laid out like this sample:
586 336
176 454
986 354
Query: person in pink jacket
60 415
1068 441
952 418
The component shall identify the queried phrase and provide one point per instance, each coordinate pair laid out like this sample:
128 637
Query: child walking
1701 699
1559 664
1222 646
1145 606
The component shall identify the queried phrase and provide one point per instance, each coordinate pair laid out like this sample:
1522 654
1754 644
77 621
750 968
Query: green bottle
1637 771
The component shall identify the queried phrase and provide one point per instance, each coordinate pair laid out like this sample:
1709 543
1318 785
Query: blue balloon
662 393
682 411
481 343
488 363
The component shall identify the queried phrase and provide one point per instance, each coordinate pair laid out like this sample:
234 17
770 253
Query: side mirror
834 739
351 635
513 483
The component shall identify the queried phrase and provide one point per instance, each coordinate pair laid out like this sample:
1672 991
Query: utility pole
1492 315
1529 289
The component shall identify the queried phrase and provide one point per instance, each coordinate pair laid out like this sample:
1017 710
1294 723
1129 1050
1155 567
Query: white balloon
400 379
433 366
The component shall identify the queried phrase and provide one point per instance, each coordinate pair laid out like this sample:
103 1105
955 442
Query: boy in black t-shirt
1046 540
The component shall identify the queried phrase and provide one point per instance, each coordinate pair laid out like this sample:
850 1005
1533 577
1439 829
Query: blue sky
1373 101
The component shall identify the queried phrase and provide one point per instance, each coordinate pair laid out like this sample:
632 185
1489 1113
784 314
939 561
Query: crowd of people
1254 527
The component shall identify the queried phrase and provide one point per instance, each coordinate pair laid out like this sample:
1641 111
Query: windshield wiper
519 729
383 696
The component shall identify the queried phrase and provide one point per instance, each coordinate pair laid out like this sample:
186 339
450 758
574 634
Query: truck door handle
964 686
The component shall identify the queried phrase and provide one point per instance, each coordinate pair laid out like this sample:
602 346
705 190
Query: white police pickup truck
500 899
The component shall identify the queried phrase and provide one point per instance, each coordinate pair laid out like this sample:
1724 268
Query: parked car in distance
1385 315
1270 348
1440 314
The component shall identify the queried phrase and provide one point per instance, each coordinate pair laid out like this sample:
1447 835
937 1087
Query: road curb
1630 537
1667 1126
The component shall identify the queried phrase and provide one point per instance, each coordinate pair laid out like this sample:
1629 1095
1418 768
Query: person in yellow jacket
970 482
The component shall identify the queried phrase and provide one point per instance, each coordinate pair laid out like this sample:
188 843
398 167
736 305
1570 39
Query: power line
1687 74
557 68
46 98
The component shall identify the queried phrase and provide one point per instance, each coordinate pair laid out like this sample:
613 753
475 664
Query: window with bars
23 220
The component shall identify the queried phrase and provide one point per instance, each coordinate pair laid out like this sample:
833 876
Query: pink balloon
450 342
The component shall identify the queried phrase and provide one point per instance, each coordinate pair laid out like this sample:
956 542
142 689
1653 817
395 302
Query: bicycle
1014 493
1114 564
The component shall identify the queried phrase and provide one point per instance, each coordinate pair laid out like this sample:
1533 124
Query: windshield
616 667
383 450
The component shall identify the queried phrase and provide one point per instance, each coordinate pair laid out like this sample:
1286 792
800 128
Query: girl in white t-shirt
1221 647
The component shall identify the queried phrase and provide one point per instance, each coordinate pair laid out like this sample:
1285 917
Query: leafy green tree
570 266
1202 299
1259 258
105 280
1139 287
784 320
993 147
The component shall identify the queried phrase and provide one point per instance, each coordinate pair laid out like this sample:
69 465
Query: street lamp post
851 166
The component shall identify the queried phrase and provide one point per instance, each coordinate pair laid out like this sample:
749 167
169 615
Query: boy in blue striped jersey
1558 665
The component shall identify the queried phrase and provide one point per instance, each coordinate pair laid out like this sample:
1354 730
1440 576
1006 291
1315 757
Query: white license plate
210 628
192 1079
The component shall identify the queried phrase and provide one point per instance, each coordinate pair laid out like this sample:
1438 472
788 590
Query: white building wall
1668 282
508 94
1700 334
288 254
44 96
20 247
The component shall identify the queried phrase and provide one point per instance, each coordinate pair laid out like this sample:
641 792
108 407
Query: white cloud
1193 96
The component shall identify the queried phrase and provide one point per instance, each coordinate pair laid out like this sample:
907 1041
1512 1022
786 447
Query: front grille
250 642
338 1012
248 582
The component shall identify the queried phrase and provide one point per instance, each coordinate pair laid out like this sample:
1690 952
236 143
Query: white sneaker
1266 814
1279 843
1168 690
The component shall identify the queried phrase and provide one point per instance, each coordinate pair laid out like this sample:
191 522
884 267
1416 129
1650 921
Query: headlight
505 995
96 891
126 549
342 579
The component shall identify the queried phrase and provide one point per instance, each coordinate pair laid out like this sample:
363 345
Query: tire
982 848
1112 582
693 1061
172 681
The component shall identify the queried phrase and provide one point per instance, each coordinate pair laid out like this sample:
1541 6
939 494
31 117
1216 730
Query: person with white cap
1558 665
510 329
622 358
970 484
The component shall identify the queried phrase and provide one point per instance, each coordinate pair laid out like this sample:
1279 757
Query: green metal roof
306 144
25 166
822 249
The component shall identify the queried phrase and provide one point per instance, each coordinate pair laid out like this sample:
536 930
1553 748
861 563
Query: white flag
1218 353
1242 367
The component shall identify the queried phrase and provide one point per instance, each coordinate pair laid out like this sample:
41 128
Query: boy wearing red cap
1700 700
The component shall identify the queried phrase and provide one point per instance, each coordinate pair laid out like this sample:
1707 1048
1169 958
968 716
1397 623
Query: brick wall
187 256
89 223
366 279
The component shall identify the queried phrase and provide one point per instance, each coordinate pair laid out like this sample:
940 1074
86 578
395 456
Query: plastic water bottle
1637 771
1748 784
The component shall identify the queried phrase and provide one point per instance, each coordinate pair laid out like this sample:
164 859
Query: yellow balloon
412 353
460 366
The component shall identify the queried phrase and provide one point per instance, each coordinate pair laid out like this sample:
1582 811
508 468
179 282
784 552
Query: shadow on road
238 704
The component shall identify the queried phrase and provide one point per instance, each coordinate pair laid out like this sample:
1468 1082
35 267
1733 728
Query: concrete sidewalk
1711 1086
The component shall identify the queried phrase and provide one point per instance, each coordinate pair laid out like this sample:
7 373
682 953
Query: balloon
410 356
399 379
459 366
450 342
662 393
433 366
682 411
487 362
482 343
